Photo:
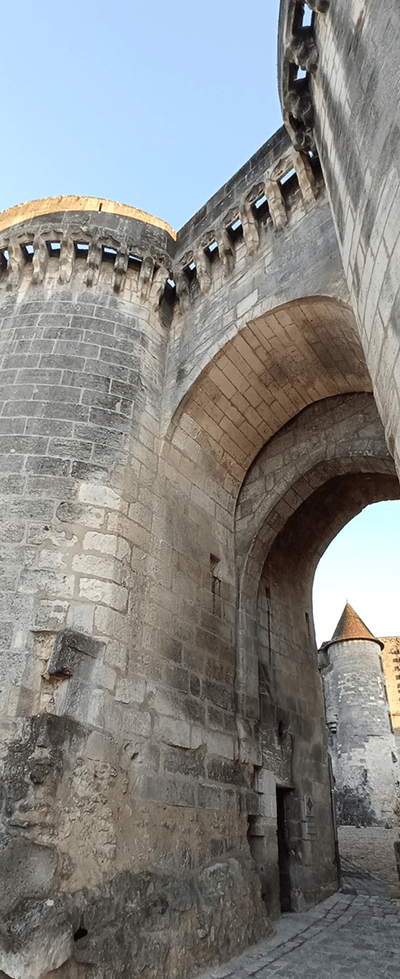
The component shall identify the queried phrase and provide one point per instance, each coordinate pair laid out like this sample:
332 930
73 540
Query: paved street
353 935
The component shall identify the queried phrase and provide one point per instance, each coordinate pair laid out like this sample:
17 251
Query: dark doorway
283 849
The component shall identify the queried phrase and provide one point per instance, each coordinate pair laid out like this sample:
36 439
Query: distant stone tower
361 740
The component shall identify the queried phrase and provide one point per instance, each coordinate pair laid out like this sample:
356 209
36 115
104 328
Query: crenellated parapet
57 241
298 62
67 240
231 229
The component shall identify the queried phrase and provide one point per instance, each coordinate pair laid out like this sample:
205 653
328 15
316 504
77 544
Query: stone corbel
93 263
276 204
226 250
146 277
305 177
14 263
303 140
158 286
203 270
303 51
251 233
120 270
299 104
69 651
67 258
39 260
182 290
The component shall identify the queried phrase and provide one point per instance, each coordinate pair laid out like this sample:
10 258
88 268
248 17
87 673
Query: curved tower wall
119 764
83 352
348 103
361 741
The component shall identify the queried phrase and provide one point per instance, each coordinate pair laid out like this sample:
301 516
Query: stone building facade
391 666
361 742
187 421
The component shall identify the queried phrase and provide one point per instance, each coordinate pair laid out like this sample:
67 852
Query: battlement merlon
73 228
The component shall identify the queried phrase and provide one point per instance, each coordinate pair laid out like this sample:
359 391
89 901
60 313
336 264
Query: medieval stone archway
315 475
280 362
291 387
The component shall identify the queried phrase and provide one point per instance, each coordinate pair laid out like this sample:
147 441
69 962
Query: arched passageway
320 470
276 445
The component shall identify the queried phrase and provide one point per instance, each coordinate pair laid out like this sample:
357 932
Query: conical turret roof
350 626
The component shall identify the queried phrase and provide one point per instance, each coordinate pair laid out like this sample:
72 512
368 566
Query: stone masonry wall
391 666
151 707
354 89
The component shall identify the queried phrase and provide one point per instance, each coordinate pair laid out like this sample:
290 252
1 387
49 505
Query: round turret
361 740
83 340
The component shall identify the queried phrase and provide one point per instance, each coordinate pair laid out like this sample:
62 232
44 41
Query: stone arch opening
318 472
263 376
284 408
337 439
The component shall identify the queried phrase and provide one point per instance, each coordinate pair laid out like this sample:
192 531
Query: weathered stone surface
143 923
69 648
361 742
186 422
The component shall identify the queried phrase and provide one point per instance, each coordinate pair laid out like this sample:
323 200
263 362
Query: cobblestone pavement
355 934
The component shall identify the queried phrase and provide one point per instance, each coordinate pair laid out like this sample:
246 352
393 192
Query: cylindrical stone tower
111 863
82 366
83 344
361 740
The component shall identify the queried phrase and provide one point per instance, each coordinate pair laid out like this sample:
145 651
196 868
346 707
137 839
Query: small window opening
212 251
190 270
235 230
109 254
267 592
28 252
54 248
284 180
100 207
260 207
307 16
4 256
289 183
170 292
81 249
301 73
80 933
134 262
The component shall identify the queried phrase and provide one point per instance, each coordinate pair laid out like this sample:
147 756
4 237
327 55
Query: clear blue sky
361 566
157 105
151 104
